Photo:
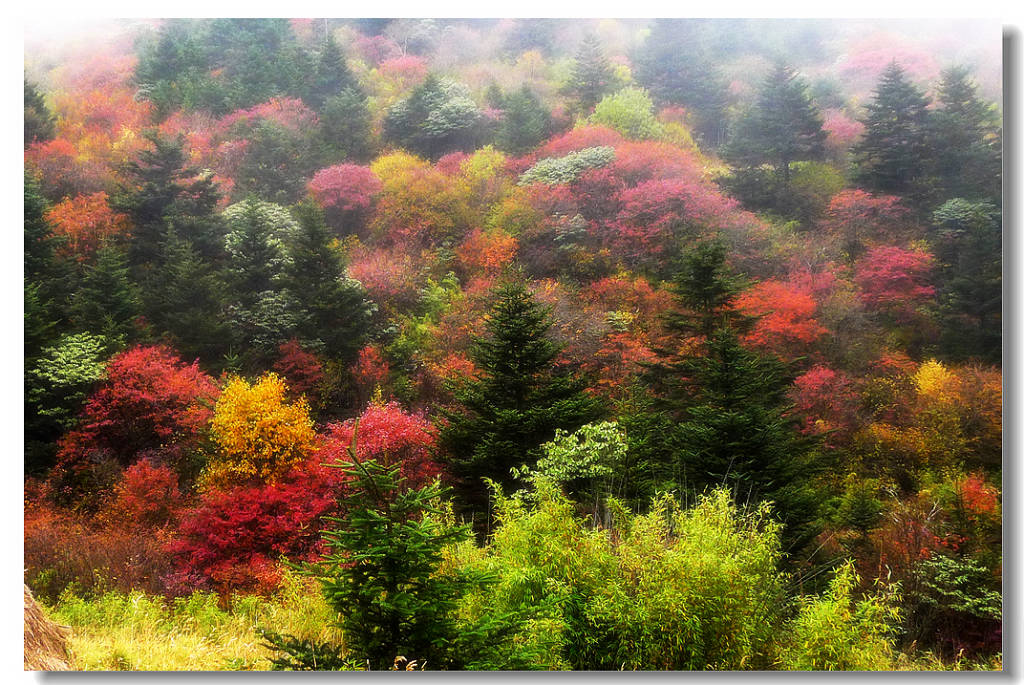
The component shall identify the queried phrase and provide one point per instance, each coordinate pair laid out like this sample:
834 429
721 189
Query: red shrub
234 539
895 280
347 187
301 369
390 435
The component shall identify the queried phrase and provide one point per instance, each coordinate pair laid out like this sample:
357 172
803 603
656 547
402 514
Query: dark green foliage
40 124
675 65
517 402
783 127
329 77
296 654
525 124
184 302
966 140
725 419
438 117
345 127
957 603
381 574
253 59
893 153
967 242
339 315
738 431
592 77
161 190
108 301
278 162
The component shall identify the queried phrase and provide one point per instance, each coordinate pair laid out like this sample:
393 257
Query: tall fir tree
346 127
675 65
719 414
516 402
967 239
783 127
162 189
592 77
967 138
893 155
339 315
185 303
329 76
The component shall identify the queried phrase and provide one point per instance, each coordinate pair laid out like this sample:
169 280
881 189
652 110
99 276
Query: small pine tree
516 403
893 154
381 576
108 301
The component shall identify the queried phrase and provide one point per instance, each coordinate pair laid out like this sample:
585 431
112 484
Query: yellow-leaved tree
259 435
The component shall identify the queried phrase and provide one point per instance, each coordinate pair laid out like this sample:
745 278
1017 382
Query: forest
520 344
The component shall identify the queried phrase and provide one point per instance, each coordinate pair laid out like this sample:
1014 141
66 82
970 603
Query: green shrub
837 632
555 170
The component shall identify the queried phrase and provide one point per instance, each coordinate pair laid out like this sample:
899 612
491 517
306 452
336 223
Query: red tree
895 280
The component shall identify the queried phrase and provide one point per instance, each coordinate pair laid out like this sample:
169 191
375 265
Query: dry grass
46 643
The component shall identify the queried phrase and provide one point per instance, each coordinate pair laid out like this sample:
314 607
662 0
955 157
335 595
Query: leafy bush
837 632
567 169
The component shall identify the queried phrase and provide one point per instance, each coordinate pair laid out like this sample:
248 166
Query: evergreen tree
108 301
894 151
719 413
592 77
738 431
185 302
338 312
329 76
676 67
382 578
967 239
783 127
967 140
345 127
516 403
438 117
526 123
40 124
161 190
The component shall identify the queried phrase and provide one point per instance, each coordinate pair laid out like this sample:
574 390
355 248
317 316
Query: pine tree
526 123
738 431
160 190
107 303
719 413
675 66
345 127
330 76
516 403
894 152
382 577
967 239
185 302
40 124
783 127
592 77
966 137
338 311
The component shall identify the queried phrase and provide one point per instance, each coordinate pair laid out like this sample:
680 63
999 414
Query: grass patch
139 632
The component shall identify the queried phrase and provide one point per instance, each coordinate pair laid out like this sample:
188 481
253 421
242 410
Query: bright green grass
145 633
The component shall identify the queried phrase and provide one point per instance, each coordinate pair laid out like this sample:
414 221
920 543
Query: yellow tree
259 435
